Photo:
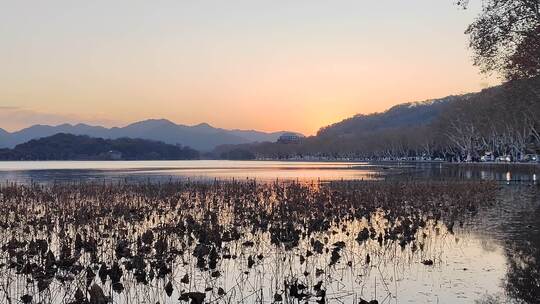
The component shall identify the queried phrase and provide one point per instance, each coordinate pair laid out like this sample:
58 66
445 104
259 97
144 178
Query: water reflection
498 172
493 258
523 255
247 242
515 228
261 170
200 170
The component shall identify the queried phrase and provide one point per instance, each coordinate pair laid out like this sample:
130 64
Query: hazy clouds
15 118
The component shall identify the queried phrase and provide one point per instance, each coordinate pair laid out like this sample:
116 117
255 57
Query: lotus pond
395 240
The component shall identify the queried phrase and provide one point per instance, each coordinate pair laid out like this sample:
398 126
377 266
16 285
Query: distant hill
3 137
406 115
81 147
501 121
202 137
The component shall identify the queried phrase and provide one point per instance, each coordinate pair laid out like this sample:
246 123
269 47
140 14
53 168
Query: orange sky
274 65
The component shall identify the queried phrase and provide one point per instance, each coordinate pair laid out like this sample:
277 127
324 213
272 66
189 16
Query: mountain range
202 137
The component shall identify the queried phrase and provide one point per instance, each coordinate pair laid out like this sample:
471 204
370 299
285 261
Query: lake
491 256
46 171
50 171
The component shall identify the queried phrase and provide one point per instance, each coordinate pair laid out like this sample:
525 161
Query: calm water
50 171
493 259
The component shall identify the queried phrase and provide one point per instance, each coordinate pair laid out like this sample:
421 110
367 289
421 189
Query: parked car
488 157
531 158
504 158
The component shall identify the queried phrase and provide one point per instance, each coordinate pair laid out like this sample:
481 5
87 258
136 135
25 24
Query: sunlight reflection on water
495 255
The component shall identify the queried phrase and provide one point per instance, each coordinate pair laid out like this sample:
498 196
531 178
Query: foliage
505 38
237 154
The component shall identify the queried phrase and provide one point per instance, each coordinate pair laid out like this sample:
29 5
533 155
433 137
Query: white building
289 138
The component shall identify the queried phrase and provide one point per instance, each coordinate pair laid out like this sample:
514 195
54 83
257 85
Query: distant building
289 138
114 155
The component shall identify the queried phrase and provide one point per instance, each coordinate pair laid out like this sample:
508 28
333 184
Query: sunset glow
270 65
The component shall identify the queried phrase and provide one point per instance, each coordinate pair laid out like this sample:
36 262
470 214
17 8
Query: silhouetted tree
505 37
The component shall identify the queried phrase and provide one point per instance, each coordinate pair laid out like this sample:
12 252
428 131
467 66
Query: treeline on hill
79 147
502 120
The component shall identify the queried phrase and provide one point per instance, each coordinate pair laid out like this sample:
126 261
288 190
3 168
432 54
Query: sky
265 65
